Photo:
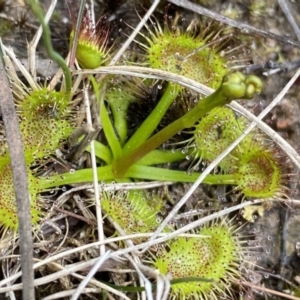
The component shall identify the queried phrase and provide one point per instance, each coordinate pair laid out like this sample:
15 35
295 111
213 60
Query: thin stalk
102 152
95 173
79 176
18 164
157 157
105 173
36 8
186 121
234 86
152 121
119 107
76 33
161 174
109 132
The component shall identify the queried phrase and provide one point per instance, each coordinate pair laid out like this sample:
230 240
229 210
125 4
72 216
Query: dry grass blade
246 29
14 141
69 293
94 166
134 33
290 18
272 292
33 44
92 272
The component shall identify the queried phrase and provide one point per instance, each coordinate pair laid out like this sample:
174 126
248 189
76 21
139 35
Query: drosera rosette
234 86
135 211
92 43
215 254
138 163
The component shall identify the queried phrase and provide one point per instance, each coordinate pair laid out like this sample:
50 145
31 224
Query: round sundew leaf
8 210
43 101
214 257
259 173
134 212
45 122
166 51
216 132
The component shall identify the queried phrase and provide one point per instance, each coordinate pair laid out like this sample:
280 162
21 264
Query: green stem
119 109
79 176
136 289
234 86
161 174
136 172
186 121
35 7
109 132
157 157
152 121
96 88
101 152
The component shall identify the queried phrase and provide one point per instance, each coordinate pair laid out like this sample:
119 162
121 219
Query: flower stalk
234 86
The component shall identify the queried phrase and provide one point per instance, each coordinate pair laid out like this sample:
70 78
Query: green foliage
8 212
134 211
44 122
215 255
46 119
167 51
91 45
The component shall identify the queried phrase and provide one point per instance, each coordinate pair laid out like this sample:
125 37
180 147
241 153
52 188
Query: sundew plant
110 137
